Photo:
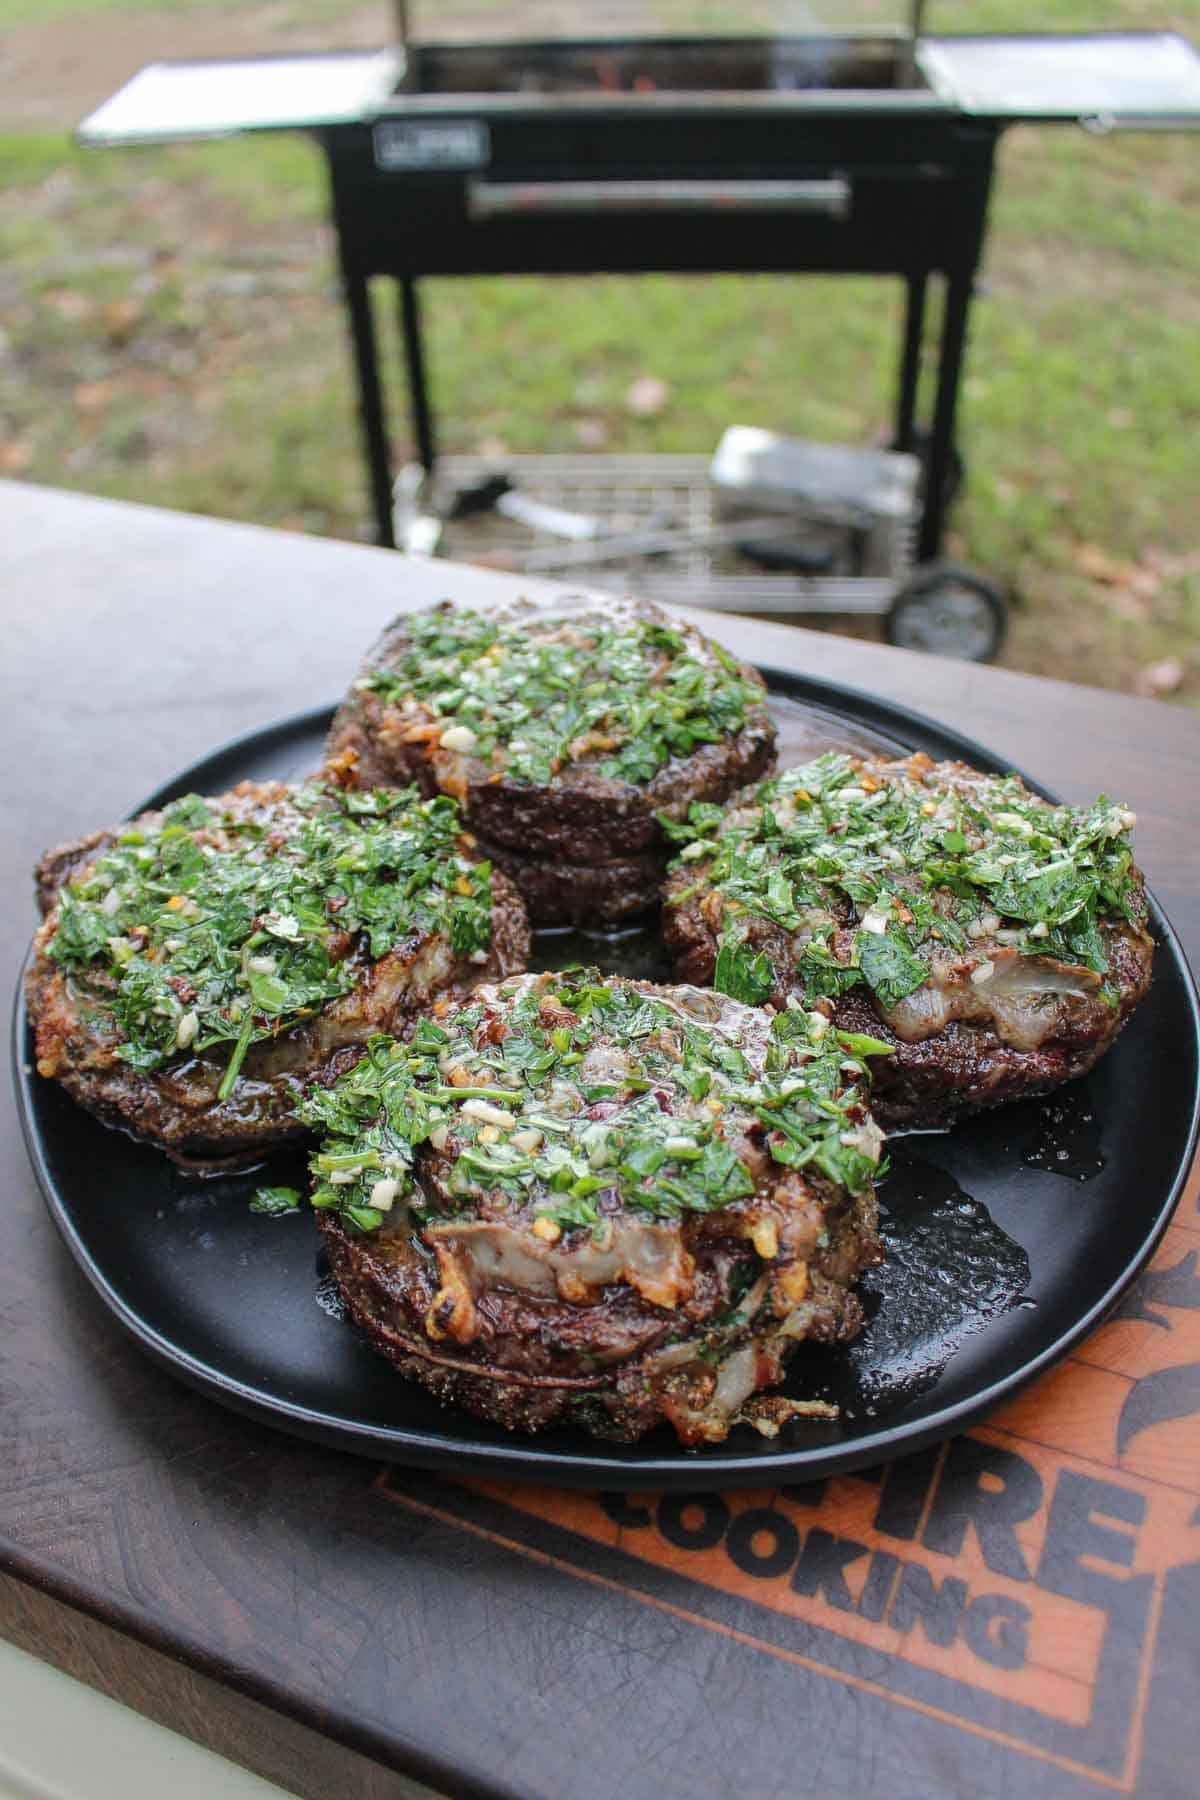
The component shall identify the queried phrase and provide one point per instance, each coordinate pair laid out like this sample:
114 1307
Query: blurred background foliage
171 330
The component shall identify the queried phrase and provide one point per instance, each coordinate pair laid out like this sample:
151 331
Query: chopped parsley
572 1097
227 922
742 973
275 1202
533 694
873 868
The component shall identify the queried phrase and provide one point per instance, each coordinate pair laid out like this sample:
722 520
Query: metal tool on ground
497 493
619 547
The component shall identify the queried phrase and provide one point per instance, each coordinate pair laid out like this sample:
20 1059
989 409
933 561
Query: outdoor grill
830 153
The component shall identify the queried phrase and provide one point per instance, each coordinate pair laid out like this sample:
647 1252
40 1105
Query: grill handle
829 198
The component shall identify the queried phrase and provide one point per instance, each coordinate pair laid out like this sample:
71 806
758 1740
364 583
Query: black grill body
566 180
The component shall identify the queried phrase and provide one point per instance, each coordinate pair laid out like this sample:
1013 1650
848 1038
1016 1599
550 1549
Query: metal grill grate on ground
641 496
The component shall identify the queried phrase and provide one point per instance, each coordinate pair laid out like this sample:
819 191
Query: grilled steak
995 944
564 732
205 963
581 1200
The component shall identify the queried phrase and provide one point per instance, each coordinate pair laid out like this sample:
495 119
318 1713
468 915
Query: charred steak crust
558 892
60 865
179 935
587 1201
564 731
994 943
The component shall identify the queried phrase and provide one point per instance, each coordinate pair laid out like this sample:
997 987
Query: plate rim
593 1465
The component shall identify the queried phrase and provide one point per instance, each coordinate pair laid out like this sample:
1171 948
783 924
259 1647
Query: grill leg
414 358
910 365
370 402
954 336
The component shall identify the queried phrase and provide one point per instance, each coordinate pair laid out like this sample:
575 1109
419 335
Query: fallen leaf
590 434
92 396
1136 584
1098 565
14 457
1159 677
121 318
647 396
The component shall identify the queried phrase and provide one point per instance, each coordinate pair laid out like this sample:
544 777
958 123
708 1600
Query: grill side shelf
174 102
1142 80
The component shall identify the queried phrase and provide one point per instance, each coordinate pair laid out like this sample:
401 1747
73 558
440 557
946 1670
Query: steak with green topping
203 965
565 732
594 1202
997 943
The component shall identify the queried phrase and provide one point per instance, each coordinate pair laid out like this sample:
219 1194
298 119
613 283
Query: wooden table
329 1623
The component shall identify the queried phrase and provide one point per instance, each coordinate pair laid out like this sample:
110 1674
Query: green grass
275 171
173 333
48 12
26 159
525 359
950 16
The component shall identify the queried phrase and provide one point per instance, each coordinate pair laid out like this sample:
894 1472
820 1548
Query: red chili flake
663 1098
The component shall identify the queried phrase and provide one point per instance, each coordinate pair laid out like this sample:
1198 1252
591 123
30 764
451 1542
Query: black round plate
1009 1239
